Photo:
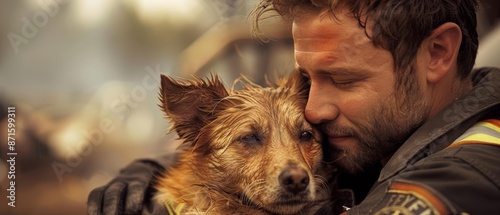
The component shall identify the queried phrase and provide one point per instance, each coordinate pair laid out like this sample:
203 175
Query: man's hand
130 192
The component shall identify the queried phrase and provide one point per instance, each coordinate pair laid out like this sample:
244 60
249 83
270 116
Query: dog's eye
306 136
251 139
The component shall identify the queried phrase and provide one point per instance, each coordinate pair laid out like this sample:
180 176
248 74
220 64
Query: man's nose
320 106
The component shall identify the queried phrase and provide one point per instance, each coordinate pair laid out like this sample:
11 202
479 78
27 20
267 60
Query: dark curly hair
399 26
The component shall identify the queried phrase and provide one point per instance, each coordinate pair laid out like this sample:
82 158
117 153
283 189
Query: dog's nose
294 179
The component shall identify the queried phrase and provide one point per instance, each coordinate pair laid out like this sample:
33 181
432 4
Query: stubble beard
384 131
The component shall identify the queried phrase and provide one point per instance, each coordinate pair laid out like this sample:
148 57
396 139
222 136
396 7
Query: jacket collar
440 131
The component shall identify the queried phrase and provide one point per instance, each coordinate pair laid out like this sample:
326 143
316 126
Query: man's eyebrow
334 71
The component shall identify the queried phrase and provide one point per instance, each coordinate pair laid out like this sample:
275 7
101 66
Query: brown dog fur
235 146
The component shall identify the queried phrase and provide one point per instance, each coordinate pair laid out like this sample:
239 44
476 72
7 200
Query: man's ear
443 45
189 104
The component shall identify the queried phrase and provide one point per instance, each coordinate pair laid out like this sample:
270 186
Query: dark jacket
427 176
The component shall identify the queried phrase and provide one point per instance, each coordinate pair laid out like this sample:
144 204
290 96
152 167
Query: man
391 84
392 88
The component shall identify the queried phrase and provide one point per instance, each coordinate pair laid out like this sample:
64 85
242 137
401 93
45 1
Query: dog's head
253 143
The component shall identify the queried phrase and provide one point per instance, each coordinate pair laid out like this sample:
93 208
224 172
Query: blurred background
83 77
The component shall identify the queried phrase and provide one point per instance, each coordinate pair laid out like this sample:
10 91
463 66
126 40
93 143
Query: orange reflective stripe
495 122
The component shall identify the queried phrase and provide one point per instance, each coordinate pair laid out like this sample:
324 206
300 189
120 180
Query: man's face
352 95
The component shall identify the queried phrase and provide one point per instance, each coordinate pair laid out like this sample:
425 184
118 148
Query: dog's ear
188 104
298 83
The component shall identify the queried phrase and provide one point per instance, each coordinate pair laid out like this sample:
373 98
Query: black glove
129 193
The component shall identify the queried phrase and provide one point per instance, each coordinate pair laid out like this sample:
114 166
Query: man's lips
341 141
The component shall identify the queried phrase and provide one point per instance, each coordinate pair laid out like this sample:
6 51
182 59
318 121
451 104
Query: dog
248 151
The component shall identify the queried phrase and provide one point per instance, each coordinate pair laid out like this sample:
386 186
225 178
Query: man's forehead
318 35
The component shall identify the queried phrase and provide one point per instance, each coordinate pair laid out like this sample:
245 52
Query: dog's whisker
252 189
323 181
342 156
323 186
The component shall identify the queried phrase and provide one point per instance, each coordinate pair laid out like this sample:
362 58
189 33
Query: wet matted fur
247 151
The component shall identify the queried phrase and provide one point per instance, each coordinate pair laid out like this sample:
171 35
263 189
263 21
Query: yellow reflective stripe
490 125
493 121
482 138
485 132
477 139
